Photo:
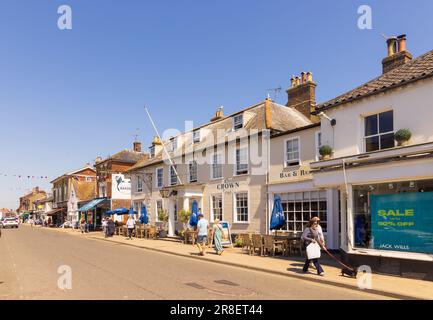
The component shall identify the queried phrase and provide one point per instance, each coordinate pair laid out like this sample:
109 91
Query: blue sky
69 96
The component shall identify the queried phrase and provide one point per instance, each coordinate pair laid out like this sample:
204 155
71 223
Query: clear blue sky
69 96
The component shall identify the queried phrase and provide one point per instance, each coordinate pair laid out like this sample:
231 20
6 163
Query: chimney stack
137 146
302 96
219 114
397 53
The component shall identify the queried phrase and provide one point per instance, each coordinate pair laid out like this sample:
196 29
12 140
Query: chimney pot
137 146
298 81
391 42
309 77
303 77
401 43
292 81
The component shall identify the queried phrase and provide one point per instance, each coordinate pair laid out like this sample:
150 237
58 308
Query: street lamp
164 192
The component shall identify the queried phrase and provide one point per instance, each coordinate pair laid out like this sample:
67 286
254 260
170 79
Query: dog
349 272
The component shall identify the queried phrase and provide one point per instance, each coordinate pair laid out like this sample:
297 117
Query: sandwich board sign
227 239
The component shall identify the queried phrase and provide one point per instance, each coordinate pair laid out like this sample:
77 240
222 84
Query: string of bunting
23 176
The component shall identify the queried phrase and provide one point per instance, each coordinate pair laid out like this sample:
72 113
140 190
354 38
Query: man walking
130 224
202 227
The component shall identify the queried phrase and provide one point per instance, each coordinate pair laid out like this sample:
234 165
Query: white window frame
173 144
364 137
139 184
170 176
156 208
152 151
235 213
235 167
217 154
212 217
237 123
89 179
194 140
156 178
299 152
317 144
189 171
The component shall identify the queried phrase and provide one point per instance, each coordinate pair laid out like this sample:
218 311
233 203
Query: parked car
9 223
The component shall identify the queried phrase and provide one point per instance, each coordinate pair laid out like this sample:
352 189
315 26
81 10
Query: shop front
93 212
387 211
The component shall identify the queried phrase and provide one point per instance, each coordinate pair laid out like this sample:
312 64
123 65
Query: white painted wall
413 109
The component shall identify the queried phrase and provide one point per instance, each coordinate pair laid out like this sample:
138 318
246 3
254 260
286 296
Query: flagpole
163 146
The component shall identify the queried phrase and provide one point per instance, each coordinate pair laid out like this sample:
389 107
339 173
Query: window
159 207
173 145
292 152
318 144
196 136
241 161
379 131
300 207
238 122
173 175
217 207
152 151
217 168
193 171
241 210
88 179
159 177
139 184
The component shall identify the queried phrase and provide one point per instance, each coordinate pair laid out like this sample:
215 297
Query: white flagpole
163 146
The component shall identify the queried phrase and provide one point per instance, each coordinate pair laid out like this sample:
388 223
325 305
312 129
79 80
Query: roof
264 115
87 167
84 190
414 70
127 156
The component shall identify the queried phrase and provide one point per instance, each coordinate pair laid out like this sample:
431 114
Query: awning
92 204
119 211
54 212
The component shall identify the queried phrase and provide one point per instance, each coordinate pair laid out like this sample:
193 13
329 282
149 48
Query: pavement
41 263
290 267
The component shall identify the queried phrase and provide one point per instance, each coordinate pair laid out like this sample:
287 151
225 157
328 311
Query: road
30 258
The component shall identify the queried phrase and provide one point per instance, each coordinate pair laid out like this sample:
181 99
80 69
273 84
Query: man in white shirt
202 228
130 224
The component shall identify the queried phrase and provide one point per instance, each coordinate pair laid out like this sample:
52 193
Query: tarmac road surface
31 257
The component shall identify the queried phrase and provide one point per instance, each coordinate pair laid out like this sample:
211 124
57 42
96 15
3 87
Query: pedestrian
83 225
202 227
217 236
312 234
104 227
110 227
130 224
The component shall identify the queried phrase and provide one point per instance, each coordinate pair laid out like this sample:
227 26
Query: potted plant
402 137
163 217
326 152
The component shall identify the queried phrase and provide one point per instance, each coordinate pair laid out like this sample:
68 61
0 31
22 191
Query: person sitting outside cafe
104 227
202 227
130 224
110 228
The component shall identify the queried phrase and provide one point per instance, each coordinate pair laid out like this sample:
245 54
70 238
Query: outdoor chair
296 245
257 241
152 233
270 245
246 242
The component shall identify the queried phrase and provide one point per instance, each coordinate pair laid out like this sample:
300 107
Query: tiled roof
127 156
414 70
84 190
281 118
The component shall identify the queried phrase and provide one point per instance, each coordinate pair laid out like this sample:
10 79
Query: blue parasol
278 219
143 217
193 218
131 211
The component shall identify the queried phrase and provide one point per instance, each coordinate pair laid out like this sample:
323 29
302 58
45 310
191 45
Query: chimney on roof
302 96
137 146
219 114
397 53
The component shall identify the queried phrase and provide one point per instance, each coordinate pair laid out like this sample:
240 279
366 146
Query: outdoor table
285 240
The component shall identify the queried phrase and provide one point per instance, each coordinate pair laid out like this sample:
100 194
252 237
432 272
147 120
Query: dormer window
196 136
152 151
173 145
238 122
